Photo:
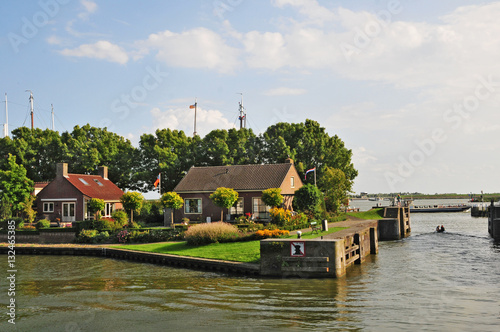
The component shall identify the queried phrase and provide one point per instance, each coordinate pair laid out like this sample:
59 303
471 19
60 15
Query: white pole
6 126
52 105
195 106
31 107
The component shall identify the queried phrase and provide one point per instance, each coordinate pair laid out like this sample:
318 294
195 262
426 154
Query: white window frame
186 205
48 207
239 208
292 182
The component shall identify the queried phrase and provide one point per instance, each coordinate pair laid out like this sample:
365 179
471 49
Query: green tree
15 186
272 197
132 201
169 152
335 187
224 198
173 201
308 199
95 206
310 146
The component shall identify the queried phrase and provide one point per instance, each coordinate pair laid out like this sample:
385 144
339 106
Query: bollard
325 225
299 234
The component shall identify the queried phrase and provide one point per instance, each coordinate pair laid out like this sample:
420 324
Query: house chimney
62 170
289 161
103 172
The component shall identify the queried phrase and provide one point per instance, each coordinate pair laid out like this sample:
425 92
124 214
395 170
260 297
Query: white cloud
183 119
90 8
54 40
196 48
309 8
284 91
100 50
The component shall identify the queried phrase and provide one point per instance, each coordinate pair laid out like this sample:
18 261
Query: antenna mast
52 105
6 125
31 107
243 116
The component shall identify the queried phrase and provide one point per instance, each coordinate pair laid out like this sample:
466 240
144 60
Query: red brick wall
59 188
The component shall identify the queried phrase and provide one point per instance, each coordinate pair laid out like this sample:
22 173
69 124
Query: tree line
172 153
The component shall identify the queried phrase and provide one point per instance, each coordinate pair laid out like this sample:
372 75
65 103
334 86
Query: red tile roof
238 177
91 188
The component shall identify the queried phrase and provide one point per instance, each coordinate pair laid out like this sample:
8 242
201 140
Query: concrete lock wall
494 222
327 257
395 225
302 258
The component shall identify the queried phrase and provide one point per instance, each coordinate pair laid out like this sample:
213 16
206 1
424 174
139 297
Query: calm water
428 282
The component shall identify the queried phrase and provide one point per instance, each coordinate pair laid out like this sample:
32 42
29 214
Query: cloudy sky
412 87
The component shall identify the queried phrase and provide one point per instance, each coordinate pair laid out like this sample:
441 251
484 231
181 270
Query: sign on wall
297 248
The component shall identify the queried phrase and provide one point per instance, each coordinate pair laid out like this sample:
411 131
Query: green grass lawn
368 215
246 252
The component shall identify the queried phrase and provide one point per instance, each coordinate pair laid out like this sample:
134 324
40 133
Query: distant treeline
172 153
484 197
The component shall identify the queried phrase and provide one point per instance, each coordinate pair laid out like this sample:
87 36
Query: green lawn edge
376 214
244 252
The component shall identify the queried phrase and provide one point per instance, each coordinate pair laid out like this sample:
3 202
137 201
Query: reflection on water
429 281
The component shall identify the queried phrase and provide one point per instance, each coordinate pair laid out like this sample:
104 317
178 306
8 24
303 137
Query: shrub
280 216
28 228
103 224
87 236
44 223
138 236
18 221
120 217
101 237
211 233
122 236
275 233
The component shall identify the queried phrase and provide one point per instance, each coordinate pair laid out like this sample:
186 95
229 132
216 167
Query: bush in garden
275 233
211 233
103 224
28 228
280 216
87 235
120 217
44 223
138 236
101 237
122 236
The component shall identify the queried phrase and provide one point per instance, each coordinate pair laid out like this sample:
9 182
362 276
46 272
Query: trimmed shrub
211 233
29 228
44 223
103 224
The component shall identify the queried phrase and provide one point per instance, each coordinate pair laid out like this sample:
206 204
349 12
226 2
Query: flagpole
315 177
195 106
159 184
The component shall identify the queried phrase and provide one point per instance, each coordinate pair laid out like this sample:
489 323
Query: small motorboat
440 229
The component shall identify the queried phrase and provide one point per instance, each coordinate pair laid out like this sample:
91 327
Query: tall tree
15 186
132 201
172 201
335 187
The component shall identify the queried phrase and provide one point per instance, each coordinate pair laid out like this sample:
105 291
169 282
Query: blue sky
413 88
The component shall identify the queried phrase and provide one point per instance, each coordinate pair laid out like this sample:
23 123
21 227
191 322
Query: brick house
248 180
67 195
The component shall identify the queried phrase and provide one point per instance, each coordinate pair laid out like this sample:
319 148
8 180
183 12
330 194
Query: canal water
427 282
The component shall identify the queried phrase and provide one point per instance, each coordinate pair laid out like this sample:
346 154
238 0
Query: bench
314 227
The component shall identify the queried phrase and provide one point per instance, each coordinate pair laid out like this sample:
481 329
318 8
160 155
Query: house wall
59 189
211 210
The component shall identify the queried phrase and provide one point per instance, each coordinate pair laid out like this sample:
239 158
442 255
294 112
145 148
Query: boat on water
439 208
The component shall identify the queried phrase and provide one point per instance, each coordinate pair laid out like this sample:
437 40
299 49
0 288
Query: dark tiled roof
108 191
238 177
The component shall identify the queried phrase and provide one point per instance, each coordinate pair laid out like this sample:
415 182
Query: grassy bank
246 252
368 215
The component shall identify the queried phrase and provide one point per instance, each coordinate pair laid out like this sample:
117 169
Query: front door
68 212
